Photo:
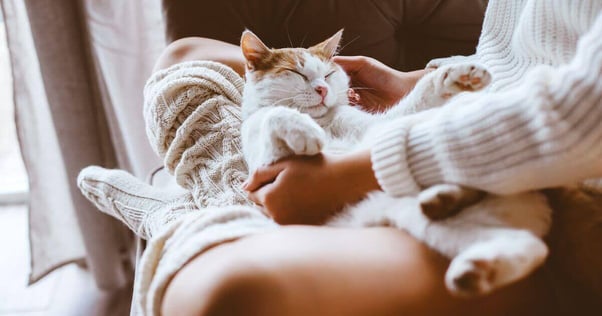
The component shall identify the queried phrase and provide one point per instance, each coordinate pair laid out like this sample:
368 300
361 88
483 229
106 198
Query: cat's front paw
297 132
304 140
456 78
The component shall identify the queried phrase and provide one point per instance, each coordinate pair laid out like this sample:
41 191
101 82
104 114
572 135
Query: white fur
492 243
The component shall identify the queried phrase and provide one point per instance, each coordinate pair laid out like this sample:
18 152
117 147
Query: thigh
328 271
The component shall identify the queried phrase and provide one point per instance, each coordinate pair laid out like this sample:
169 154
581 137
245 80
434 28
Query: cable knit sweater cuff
390 164
422 157
404 160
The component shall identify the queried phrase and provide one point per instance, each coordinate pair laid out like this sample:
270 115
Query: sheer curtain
79 68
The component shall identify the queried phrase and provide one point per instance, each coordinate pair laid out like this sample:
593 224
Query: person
536 127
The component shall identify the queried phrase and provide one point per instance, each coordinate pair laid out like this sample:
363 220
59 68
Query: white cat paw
295 133
495 263
468 278
457 78
304 140
445 200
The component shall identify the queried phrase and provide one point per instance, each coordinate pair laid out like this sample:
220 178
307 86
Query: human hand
379 86
310 189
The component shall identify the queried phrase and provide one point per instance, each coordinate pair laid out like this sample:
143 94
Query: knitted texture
192 111
144 209
536 126
192 114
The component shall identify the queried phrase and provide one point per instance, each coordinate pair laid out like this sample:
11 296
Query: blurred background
64 64
53 294
15 297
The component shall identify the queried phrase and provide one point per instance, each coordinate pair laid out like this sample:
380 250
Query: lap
327 271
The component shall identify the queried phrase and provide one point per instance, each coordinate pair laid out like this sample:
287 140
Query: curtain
79 68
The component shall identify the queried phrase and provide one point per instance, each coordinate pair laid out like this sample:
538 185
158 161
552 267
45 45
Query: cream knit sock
144 209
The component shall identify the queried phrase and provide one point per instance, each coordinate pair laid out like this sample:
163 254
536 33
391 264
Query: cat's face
304 79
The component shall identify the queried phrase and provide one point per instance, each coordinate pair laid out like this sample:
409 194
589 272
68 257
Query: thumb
262 176
351 64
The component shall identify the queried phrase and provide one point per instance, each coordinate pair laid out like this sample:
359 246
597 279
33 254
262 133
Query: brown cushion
574 268
404 34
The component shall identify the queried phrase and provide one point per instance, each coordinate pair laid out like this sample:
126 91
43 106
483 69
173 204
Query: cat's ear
253 49
329 47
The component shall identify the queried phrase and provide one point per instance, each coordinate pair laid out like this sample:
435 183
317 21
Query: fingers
262 176
354 97
258 196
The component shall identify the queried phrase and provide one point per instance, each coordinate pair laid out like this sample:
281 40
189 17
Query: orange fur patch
278 60
319 52
285 58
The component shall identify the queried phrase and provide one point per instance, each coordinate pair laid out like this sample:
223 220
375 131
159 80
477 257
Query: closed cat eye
330 73
300 74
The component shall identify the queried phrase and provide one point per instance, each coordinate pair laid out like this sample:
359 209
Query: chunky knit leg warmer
192 113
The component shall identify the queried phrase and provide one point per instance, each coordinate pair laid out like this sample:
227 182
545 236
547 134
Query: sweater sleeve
546 132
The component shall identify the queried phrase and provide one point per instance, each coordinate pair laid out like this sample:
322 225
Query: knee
239 287
248 291
180 50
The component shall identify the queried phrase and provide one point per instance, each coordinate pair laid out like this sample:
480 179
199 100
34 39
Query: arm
308 189
545 133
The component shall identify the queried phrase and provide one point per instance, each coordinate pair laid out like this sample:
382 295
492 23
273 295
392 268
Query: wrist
359 176
409 79
390 160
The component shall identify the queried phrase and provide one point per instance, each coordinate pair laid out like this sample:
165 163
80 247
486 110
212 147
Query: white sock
143 208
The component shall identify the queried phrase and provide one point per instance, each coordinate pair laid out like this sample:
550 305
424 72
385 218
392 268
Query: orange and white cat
295 102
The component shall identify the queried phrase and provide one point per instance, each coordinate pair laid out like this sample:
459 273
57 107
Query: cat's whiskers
286 90
277 102
362 88
340 49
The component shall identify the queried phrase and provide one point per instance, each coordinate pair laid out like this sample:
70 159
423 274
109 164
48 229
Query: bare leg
327 271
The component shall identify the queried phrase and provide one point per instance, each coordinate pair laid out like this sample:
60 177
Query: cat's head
302 78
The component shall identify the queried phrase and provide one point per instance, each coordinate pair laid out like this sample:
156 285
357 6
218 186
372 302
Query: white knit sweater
535 127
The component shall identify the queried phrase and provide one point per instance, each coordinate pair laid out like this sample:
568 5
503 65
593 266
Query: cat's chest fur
346 128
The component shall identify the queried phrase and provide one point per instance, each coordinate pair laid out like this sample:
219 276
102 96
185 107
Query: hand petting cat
379 86
310 189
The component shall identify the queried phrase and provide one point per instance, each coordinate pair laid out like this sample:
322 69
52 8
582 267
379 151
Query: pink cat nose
322 91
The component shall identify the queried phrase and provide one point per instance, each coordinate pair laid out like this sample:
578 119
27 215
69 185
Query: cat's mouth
315 111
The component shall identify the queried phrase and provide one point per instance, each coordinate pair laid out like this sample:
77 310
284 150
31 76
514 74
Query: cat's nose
322 91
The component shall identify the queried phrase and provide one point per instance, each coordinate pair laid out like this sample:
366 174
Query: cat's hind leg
492 243
506 256
445 200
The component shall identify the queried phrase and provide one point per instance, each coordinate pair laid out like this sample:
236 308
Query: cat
295 102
